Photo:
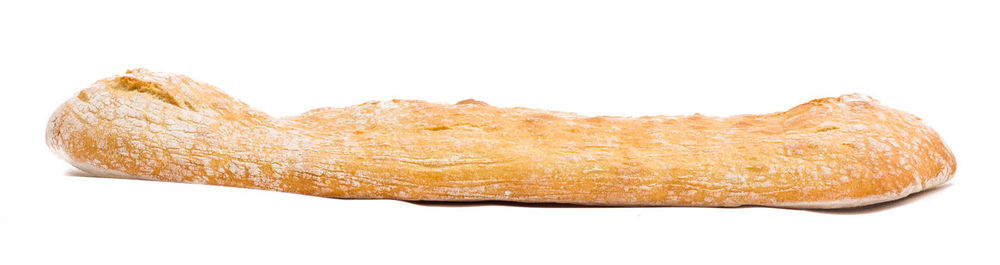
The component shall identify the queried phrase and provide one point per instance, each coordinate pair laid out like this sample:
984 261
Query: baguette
834 152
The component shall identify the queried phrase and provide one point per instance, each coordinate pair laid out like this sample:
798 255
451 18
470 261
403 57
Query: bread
827 153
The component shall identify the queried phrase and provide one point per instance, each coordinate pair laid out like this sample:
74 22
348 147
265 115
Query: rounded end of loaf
128 125
887 154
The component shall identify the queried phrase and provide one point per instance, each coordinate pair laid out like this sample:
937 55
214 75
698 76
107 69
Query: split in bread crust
827 153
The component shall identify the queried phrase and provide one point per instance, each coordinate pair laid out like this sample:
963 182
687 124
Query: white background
937 59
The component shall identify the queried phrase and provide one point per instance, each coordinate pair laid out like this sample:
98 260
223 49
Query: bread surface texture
833 152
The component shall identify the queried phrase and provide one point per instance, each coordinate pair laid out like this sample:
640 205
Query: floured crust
827 153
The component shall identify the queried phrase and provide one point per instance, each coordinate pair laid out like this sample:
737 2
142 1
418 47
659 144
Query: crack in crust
827 153
128 83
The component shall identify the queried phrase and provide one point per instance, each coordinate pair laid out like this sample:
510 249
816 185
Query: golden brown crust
826 153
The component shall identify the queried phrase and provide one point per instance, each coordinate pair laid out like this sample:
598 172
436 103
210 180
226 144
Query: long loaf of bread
827 153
